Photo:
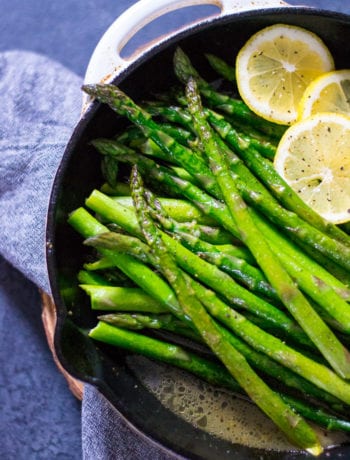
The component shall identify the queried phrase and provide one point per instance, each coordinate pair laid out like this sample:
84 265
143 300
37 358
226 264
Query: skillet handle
106 61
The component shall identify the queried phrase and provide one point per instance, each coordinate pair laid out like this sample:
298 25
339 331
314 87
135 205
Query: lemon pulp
313 157
328 93
274 68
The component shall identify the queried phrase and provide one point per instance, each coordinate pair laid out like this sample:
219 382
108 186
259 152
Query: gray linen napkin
40 104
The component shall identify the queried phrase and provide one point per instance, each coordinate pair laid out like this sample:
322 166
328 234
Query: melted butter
215 411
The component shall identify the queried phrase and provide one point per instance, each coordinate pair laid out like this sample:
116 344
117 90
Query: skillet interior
105 367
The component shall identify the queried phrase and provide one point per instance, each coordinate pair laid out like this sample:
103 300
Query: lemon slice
274 68
313 157
328 93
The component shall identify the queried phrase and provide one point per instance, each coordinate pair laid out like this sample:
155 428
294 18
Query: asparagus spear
210 234
341 273
109 168
238 268
203 368
222 67
157 349
85 224
218 211
184 70
181 116
119 189
145 277
181 135
91 278
265 171
138 321
321 335
295 428
177 209
256 359
122 299
171 113
194 194
123 105
318 374
261 341
251 189
293 258
206 272
101 263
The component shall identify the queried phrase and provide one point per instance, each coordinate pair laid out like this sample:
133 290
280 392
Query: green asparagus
290 222
294 427
321 335
208 273
184 70
206 369
121 299
180 264
257 359
217 210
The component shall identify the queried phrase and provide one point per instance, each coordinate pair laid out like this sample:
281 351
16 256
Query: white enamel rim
106 62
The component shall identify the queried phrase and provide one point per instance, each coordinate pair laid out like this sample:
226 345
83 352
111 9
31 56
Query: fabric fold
116 438
41 102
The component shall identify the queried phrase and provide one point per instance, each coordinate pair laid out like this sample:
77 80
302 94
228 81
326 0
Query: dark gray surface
39 418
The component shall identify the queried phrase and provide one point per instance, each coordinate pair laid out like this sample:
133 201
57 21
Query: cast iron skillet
78 174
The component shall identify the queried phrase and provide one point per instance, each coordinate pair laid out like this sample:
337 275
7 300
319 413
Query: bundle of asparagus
220 250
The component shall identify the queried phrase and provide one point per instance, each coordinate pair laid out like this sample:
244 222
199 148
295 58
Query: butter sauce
216 411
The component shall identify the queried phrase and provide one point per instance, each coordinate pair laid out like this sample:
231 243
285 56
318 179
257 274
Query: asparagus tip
102 91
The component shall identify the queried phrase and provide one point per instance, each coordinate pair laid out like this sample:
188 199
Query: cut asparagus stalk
321 335
207 370
294 427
